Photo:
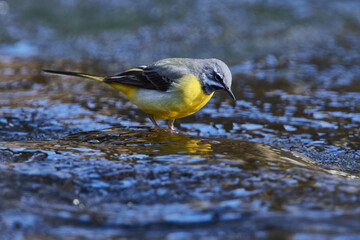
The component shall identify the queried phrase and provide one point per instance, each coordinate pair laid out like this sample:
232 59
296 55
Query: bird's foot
158 128
171 125
152 119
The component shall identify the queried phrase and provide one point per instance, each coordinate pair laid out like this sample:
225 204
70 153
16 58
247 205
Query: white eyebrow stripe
217 71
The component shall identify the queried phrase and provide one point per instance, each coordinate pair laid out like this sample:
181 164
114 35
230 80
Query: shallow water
135 182
78 161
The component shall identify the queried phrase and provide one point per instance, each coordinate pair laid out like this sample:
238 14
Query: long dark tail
76 74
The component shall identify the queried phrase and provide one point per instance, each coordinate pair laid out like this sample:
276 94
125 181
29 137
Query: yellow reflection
119 144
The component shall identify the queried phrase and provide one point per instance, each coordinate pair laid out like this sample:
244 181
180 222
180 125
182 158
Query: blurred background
77 160
138 33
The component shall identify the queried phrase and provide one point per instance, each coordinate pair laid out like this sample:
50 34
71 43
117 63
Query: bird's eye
218 77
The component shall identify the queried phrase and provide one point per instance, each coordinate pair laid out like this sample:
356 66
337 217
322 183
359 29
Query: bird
170 88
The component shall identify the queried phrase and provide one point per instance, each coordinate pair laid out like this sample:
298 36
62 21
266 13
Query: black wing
143 77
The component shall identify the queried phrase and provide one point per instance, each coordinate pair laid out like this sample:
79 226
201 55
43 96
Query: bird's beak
228 90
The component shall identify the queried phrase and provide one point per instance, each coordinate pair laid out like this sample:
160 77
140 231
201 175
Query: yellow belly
182 99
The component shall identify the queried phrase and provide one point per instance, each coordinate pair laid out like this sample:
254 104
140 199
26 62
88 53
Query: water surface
78 161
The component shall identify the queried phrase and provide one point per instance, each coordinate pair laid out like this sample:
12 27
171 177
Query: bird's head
216 75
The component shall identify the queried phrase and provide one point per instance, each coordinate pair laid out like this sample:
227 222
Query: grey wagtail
171 88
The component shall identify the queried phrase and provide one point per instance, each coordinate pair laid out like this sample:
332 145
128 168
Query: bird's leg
151 117
171 125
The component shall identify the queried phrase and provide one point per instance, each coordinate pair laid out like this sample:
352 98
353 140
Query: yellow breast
193 96
184 98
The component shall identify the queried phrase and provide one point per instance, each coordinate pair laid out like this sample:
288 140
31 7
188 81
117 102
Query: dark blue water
78 161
